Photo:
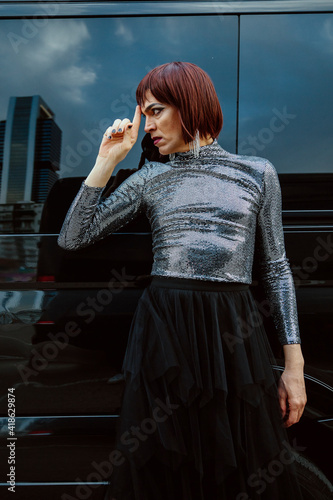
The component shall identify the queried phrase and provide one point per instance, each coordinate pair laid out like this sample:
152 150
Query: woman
203 416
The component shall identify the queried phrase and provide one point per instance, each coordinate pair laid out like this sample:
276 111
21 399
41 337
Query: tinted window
64 81
286 76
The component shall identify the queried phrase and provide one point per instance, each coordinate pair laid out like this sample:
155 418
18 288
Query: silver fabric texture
207 215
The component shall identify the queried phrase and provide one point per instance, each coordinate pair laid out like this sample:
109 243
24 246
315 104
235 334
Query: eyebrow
151 105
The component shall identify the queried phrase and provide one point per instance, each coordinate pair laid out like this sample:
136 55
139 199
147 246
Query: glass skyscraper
30 144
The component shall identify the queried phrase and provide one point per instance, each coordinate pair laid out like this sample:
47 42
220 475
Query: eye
156 111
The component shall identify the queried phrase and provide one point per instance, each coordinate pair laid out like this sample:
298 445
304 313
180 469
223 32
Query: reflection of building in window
20 217
19 257
30 144
20 307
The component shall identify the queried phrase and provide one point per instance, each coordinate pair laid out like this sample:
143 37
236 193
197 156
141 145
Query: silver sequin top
207 215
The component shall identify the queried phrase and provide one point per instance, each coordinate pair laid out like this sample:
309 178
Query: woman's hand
291 387
119 139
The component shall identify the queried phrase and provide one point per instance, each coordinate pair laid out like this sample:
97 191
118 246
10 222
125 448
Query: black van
68 69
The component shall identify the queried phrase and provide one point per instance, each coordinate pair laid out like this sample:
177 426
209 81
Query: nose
149 124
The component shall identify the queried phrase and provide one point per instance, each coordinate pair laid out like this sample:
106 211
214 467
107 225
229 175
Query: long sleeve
274 267
90 219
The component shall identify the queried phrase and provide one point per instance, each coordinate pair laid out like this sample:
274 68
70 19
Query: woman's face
163 125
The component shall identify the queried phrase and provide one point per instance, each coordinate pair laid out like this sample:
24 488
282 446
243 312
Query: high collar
204 152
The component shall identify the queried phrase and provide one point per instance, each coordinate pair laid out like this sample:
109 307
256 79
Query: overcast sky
87 72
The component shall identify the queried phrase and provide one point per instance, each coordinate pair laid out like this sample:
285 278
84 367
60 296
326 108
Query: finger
112 130
300 410
282 399
283 407
122 125
292 418
107 135
136 119
116 124
132 128
295 413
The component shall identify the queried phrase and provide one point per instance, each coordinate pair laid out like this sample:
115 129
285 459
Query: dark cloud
87 72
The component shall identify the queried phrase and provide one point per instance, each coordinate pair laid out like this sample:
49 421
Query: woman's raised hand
119 139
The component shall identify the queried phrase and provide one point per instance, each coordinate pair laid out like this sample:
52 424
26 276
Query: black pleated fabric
200 418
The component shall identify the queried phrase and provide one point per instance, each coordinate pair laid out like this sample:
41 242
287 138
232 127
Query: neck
205 142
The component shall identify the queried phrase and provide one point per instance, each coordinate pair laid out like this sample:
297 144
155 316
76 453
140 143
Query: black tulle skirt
200 418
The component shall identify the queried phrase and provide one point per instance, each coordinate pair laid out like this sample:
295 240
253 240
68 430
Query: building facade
30 148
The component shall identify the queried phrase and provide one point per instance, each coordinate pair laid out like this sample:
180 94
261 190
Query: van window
64 81
286 75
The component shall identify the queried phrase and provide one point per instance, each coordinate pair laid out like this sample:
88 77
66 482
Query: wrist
295 368
104 162
293 356
101 172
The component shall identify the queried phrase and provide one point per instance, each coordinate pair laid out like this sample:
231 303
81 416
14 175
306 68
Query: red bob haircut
188 88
